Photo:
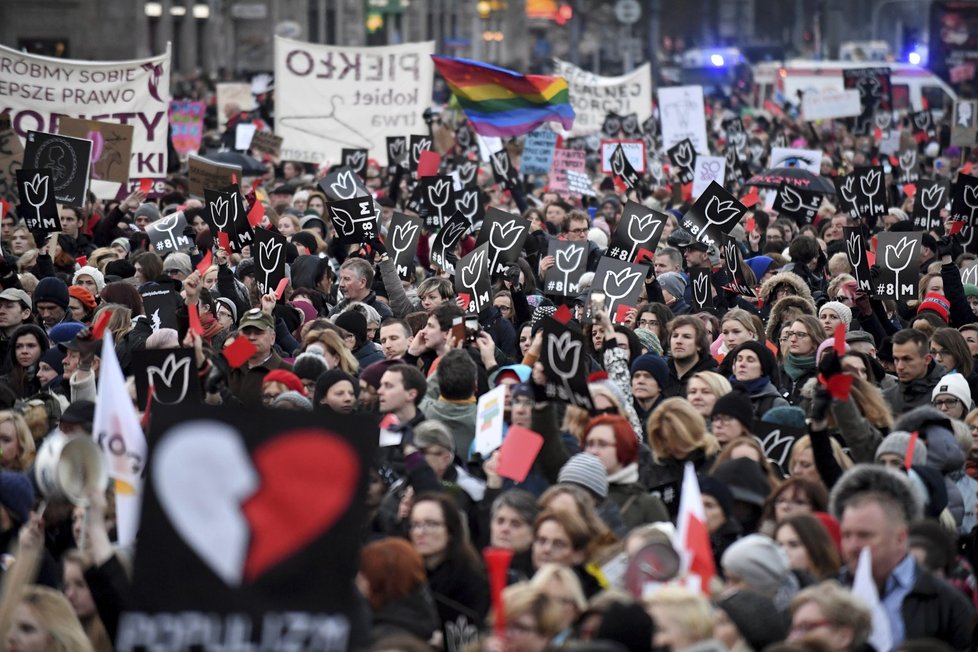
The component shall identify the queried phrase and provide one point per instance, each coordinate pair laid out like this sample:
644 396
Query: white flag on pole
864 588
118 433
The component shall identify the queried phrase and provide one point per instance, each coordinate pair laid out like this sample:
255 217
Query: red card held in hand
621 312
238 352
224 240
839 386
99 327
840 339
428 163
751 222
82 260
4 207
911 445
750 199
205 262
956 227
256 214
909 189
145 185
464 298
518 452
562 314
194 318
280 288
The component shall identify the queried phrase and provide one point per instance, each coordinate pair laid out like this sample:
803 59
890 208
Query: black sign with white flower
443 247
356 160
505 233
166 234
355 220
565 362
472 278
570 262
714 214
403 234
637 234
931 197
683 158
38 207
797 203
269 254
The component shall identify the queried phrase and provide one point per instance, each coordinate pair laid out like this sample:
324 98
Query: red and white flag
694 536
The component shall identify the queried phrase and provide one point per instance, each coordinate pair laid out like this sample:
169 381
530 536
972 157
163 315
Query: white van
913 87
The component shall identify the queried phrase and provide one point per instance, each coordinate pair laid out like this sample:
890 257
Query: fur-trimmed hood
781 306
796 282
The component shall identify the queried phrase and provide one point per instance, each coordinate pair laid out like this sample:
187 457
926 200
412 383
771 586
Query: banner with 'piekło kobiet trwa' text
330 98
36 91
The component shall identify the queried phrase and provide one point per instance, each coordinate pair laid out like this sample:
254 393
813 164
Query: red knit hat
832 527
936 303
83 295
287 378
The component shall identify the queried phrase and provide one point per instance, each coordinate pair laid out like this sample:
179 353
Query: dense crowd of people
795 479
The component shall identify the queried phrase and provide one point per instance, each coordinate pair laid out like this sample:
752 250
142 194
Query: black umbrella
250 166
794 176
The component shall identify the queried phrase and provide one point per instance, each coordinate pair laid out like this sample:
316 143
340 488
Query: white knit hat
839 308
955 385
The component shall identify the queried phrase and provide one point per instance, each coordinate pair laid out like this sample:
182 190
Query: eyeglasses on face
800 335
945 403
426 525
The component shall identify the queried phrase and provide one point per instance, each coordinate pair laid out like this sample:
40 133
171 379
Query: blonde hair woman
338 354
43 620
120 322
561 585
532 620
801 463
682 618
703 390
17 448
677 433
829 614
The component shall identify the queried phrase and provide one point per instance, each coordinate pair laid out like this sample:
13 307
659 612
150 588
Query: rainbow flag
500 102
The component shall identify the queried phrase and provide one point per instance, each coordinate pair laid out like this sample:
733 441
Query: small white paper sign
708 168
243 135
634 152
489 421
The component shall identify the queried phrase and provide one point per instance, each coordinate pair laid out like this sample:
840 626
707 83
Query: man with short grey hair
355 282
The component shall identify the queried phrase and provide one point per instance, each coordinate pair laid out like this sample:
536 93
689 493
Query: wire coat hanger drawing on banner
330 127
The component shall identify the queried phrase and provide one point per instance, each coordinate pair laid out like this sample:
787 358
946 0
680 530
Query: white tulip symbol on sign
855 250
618 161
502 237
791 200
173 376
268 255
969 275
701 289
870 185
37 194
567 261
772 441
922 120
355 160
970 197
641 230
397 149
564 355
619 285
847 191
343 221
719 213
908 159
420 146
221 213
898 256
468 203
438 194
730 255
931 198
684 155
345 186
166 225
471 274
500 161
466 173
402 237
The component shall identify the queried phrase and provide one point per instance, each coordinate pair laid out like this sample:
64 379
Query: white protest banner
634 152
708 169
682 116
328 98
233 93
830 103
36 91
565 159
593 96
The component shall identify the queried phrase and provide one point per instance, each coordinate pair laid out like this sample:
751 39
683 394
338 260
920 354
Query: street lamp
154 9
202 12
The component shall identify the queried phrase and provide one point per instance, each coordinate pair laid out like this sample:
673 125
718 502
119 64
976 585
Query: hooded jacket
775 318
414 614
798 285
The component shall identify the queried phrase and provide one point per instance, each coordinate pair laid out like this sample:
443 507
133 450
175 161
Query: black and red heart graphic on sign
250 511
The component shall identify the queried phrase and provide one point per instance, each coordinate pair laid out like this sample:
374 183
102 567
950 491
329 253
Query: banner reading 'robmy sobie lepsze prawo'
331 98
36 91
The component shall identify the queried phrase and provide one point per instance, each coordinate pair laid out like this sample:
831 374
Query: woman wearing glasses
952 396
950 349
798 364
455 575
